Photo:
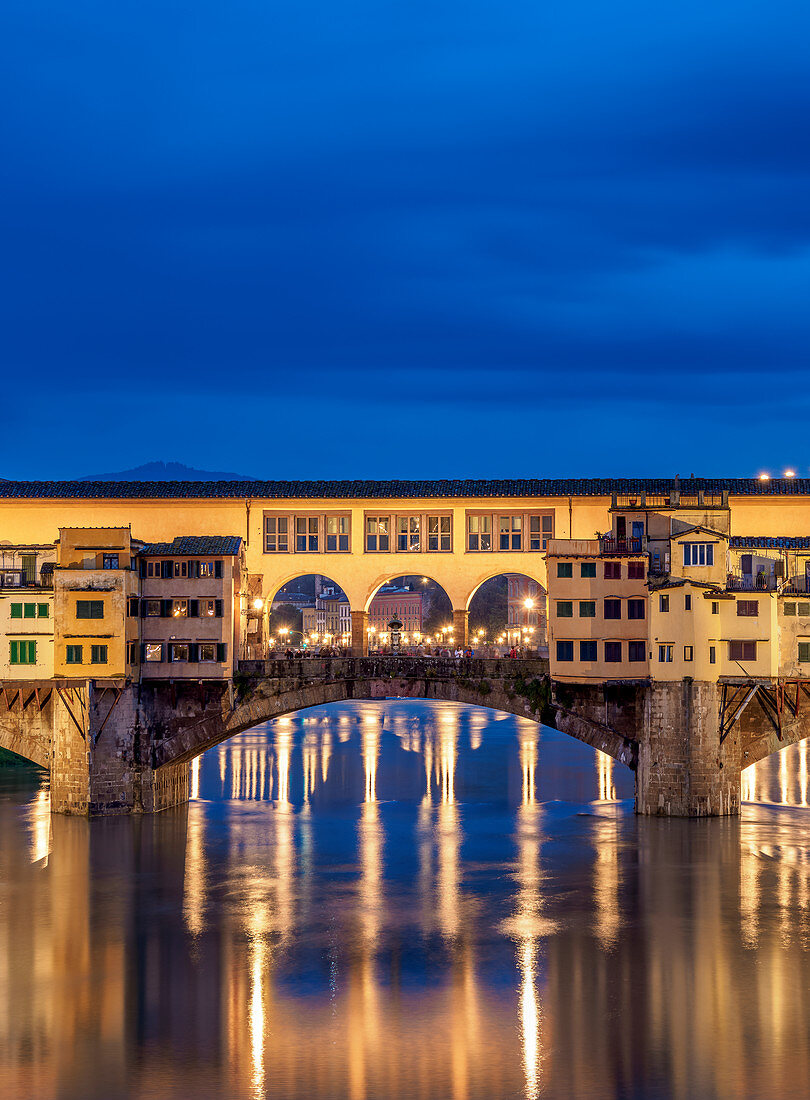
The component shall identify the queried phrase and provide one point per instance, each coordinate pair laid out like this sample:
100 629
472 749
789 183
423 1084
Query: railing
796 586
610 544
752 582
17 578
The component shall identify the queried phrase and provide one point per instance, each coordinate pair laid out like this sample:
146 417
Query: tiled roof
764 542
377 490
193 545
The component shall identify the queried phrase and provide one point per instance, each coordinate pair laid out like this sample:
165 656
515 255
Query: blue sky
405 239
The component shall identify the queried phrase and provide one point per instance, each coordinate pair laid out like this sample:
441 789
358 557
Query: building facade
192 607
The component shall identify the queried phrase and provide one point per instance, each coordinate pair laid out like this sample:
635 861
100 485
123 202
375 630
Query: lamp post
395 630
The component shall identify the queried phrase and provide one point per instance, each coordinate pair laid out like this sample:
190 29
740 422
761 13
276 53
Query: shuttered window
89 609
742 651
23 653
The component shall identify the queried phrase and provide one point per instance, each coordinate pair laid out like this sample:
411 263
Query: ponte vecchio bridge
119 744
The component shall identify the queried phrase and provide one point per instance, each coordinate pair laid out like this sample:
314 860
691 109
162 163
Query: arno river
406 900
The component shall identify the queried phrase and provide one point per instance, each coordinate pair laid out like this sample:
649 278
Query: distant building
526 624
331 615
405 603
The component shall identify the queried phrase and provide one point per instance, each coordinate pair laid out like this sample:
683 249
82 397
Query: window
205 568
181 569
153 652
29 611
439 533
132 607
715 607
377 533
306 534
154 608
635 609
133 653
208 651
613 570
208 608
73 655
98 654
587 651
152 568
408 533
613 609
89 609
109 561
698 553
788 608
276 536
804 652
635 570
479 532
565 651
688 652
337 534
803 609
587 569
636 651
565 569
23 653
665 654
587 609
663 603
565 609
180 609
178 651
613 652
43 611
510 532
712 655
16 611
742 651
748 608
536 540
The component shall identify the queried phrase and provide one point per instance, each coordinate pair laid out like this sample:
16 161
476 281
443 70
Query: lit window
276 537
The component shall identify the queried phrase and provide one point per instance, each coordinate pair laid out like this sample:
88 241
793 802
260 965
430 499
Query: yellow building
597 611
95 604
363 535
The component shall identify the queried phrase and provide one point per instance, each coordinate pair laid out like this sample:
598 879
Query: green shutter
32 653
222 651
42 611
16 611
15 658
30 611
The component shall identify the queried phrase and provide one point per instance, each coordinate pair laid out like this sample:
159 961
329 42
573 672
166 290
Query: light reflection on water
406 900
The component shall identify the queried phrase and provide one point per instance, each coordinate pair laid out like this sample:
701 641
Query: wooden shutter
143 609
218 569
167 570
218 608
222 651
194 609
193 651
165 609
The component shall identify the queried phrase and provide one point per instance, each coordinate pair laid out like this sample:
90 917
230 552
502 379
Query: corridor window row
609 609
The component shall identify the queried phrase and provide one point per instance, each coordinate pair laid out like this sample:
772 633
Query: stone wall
683 770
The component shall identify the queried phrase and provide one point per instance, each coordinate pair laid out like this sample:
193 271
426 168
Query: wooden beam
70 712
118 694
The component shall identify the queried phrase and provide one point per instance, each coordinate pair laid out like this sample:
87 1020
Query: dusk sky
370 239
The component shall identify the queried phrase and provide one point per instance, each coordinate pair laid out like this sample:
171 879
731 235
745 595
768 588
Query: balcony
610 545
796 586
750 582
20 578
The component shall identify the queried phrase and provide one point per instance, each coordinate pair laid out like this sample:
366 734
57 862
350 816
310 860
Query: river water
406 899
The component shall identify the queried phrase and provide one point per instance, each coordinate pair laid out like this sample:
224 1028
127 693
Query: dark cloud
462 215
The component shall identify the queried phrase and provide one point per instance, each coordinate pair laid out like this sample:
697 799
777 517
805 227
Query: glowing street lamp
258 603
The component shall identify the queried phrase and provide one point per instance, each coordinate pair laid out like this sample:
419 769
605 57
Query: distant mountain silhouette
165 471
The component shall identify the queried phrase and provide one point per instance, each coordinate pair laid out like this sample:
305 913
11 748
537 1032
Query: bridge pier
460 627
683 769
96 759
359 633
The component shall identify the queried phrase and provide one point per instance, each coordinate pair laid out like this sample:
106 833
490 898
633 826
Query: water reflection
406 900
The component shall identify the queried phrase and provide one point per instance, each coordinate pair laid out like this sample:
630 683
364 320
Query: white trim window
698 553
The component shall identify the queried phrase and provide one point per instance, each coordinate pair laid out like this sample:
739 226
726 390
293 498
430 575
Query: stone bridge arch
189 724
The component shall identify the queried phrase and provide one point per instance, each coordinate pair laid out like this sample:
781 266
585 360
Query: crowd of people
421 650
